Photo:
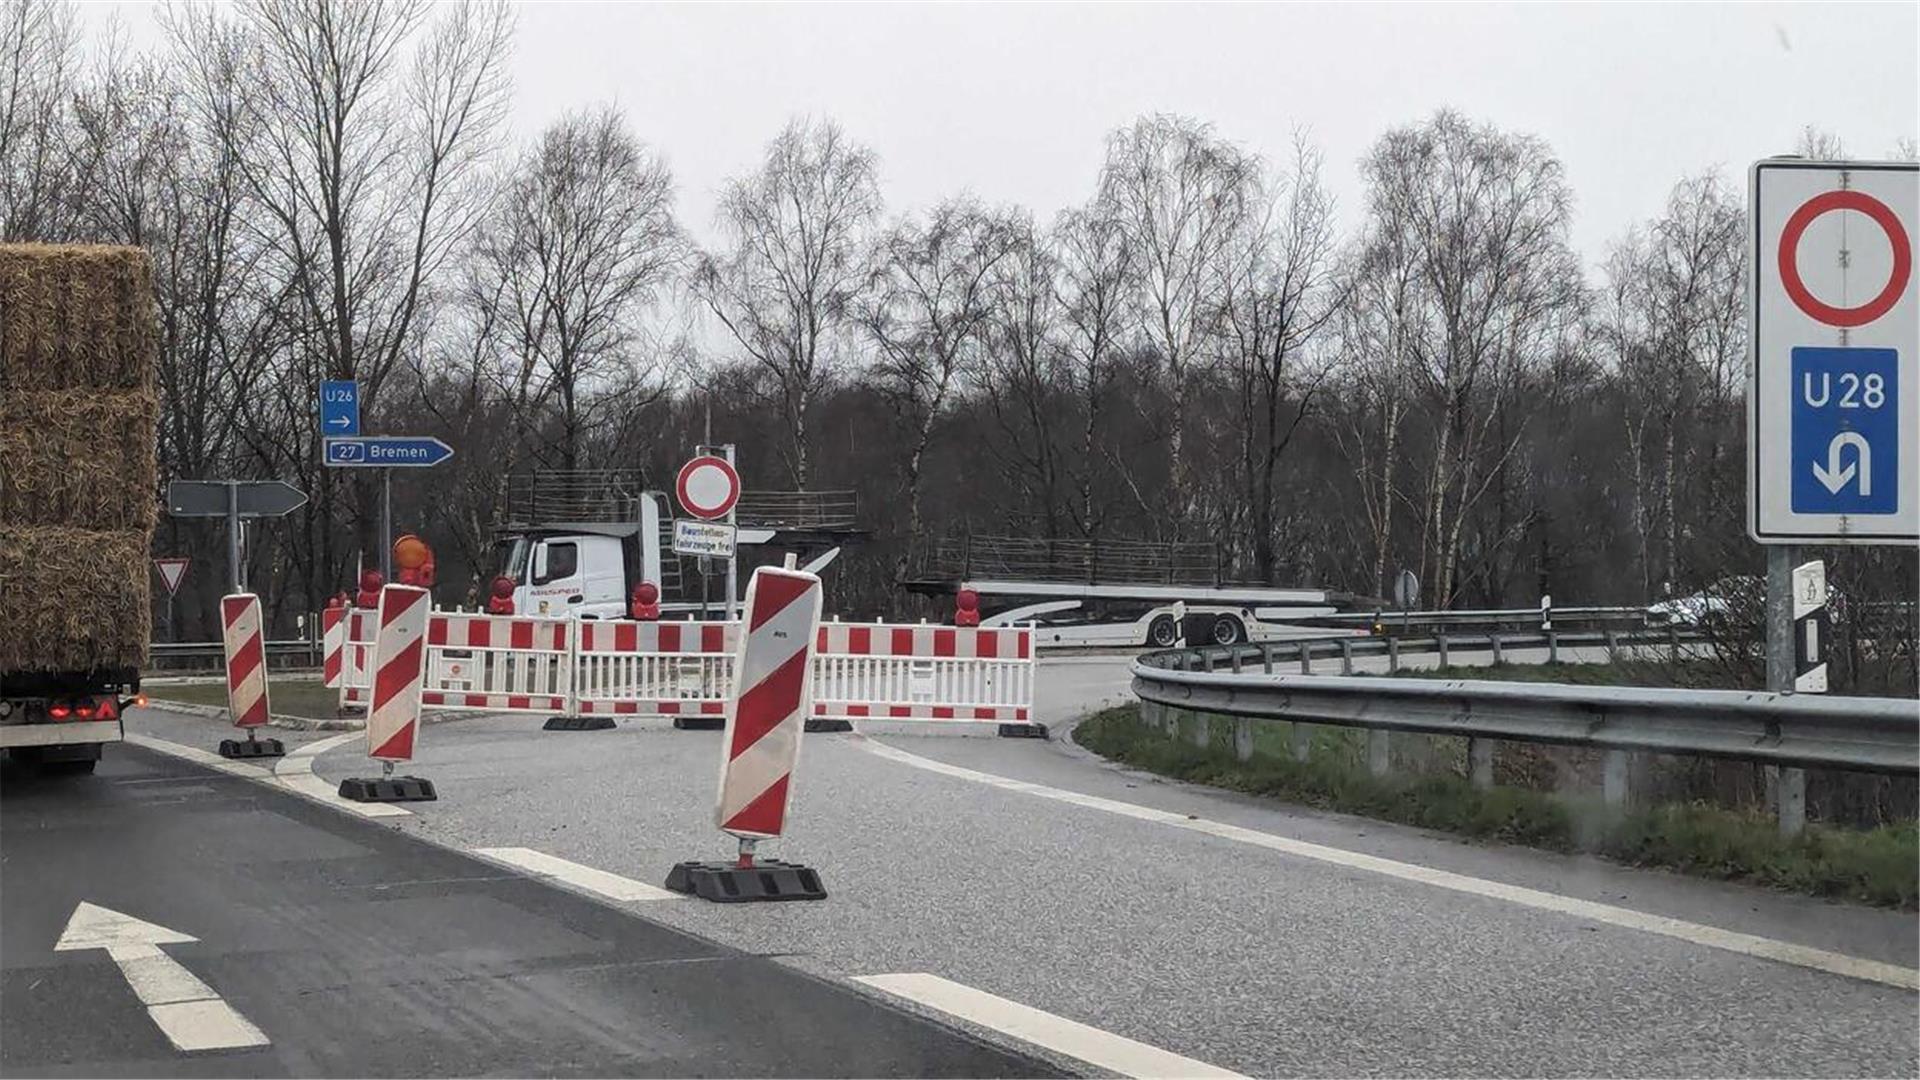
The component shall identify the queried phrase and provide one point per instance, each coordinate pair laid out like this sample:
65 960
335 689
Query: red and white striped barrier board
654 668
875 671
246 659
333 644
771 704
499 663
399 670
356 656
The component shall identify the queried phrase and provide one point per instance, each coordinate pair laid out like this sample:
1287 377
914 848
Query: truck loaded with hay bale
78 417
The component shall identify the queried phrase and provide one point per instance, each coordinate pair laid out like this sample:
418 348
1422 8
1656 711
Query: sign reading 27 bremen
386 452
1833 402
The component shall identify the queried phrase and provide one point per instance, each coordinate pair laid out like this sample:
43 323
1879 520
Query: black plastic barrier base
578 723
727 883
251 748
388 789
821 723
1023 731
700 723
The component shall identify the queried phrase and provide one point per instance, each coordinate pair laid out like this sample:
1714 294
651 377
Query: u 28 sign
1833 447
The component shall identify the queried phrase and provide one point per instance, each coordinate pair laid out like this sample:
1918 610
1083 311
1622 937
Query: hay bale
72 599
84 460
76 317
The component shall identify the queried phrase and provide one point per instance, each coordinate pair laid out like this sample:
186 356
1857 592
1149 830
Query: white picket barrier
654 668
879 671
861 671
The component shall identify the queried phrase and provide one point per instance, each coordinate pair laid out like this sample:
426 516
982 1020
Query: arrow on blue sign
339 408
387 452
1846 431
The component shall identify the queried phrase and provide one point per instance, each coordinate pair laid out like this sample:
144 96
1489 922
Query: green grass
1875 866
289 697
1625 673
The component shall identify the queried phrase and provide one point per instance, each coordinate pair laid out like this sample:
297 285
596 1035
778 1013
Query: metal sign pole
733 565
386 525
1789 784
233 538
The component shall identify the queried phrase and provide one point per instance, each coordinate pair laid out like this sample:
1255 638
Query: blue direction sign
386 452
1846 431
339 409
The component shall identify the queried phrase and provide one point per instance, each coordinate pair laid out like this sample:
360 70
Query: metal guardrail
212 654
1796 730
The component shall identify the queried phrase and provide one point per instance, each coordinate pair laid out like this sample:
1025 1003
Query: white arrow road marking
186 1010
1835 477
1102 1049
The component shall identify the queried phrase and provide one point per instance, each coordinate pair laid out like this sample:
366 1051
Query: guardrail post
1613 782
1441 640
1266 658
1613 646
1553 646
1346 657
1393 655
1202 730
1233 657
1673 642
1499 656
1480 762
1306 659
1302 741
1379 753
1242 739
1793 802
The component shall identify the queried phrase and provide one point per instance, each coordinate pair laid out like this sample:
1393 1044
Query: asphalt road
356 949
1251 936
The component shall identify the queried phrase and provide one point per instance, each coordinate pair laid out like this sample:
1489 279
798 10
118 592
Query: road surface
1056 909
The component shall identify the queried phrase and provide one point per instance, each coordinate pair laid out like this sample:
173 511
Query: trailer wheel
1161 633
1228 631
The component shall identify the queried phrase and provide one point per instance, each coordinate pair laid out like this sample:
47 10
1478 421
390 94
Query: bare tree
583 237
1020 384
929 314
794 262
1277 292
1484 216
1094 264
39 54
1181 192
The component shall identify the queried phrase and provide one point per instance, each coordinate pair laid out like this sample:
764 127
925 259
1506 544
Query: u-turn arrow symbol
1835 477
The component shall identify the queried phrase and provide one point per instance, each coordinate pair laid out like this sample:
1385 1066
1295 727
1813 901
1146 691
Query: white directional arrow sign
187 1011
1835 477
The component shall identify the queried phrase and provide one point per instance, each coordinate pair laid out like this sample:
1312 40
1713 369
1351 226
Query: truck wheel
1227 631
68 768
1161 633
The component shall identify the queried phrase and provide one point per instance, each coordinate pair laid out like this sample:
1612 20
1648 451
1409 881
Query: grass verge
289 697
1876 866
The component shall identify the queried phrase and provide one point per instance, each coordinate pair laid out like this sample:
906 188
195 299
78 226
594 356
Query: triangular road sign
172 571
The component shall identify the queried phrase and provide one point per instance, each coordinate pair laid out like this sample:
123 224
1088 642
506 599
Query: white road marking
187 1011
1715 937
198 756
611 886
1102 1049
295 771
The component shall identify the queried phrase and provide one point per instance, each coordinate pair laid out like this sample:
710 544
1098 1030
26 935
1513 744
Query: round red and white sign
1883 216
708 487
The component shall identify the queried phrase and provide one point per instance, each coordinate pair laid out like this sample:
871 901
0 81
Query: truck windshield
512 556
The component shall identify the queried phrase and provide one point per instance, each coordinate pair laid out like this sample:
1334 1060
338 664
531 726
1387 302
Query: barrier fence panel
880 671
654 668
625 668
499 663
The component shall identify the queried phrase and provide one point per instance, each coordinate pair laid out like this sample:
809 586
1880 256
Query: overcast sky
1013 101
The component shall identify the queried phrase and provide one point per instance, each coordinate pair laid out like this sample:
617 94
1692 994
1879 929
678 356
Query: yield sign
173 570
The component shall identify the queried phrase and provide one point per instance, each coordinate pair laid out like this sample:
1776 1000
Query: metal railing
211 655
1794 730
825 510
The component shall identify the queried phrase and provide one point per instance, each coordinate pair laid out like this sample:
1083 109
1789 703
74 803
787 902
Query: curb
294 723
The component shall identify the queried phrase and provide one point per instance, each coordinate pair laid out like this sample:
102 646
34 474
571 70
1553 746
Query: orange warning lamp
646 601
370 582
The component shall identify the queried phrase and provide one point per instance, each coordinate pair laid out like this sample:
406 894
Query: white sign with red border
173 570
707 487
1833 401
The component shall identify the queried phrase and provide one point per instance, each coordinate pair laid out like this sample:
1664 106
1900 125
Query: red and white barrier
773 700
499 664
246 654
876 671
399 670
654 668
333 645
356 656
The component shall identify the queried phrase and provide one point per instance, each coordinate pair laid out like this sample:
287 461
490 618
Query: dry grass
78 460
76 318
72 599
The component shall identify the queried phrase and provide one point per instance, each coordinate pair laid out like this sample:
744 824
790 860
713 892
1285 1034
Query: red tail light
84 710
108 709
59 710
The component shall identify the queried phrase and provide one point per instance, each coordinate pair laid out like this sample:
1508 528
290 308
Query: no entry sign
1833 448
708 487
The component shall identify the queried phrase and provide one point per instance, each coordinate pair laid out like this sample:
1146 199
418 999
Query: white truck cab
583 570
